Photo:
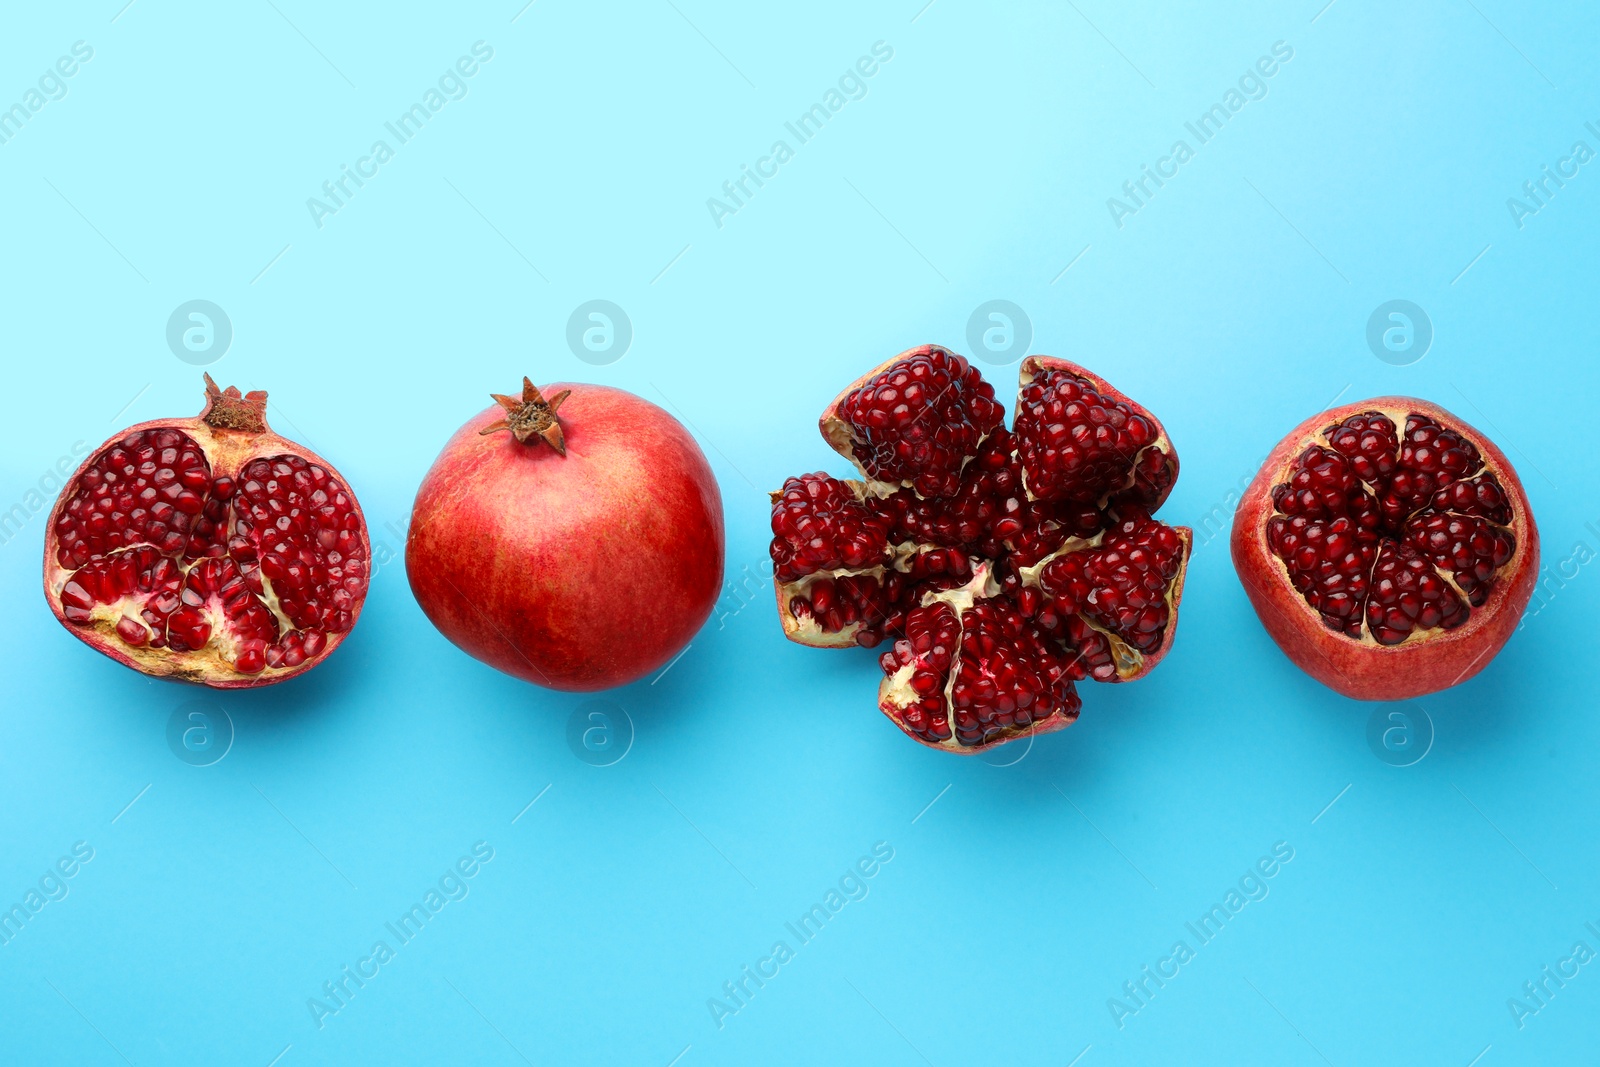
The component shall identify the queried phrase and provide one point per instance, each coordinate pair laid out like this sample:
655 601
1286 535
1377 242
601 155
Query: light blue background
977 167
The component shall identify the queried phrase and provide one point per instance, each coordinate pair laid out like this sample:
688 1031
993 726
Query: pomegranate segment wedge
209 550
1388 548
973 666
1001 566
913 420
1079 439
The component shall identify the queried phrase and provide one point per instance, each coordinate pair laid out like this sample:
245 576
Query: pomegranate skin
576 572
1364 670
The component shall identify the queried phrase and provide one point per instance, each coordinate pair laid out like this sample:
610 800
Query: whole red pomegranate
1388 548
576 550
1003 565
209 550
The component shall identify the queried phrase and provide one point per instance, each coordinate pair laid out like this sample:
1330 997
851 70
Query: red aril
1388 548
209 550
576 543
1001 566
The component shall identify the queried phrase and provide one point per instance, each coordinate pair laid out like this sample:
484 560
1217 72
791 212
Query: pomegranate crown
227 409
530 417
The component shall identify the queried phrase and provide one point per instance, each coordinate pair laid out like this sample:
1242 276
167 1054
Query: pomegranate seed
252 658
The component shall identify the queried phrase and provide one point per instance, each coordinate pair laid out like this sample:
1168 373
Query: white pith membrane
895 692
806 630
1398 416
225 453
220 651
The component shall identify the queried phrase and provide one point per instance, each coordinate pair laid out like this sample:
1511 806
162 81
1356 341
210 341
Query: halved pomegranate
209 550
1003 565
1388 548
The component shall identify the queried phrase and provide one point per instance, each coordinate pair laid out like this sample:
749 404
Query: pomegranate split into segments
1000 566
209 550
1388 548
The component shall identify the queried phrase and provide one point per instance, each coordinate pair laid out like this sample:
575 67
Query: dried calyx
227 409
530 417
1003 565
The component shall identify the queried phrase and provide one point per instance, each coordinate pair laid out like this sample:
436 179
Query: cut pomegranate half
1002 565
209 550
1388 548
